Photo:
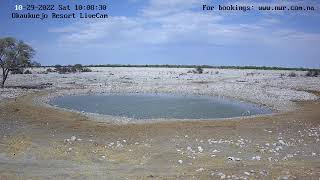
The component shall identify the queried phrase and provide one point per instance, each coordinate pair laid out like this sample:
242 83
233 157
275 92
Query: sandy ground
40 142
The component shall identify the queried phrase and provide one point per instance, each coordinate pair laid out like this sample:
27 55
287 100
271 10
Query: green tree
14 55
78 67
57 67
199 70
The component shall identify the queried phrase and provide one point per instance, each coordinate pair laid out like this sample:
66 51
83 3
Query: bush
27 72
198 70
292 74
71 69
86 70
313 73
17 71
43 72
49 70
78 67
64 70
57 67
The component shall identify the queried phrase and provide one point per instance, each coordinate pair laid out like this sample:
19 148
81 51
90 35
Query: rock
119 145
283 177
189 148
222 176
180 161
282 142
290 156
233 159
247 173
73 138
264 173
258 158
200 149
200 170
214 151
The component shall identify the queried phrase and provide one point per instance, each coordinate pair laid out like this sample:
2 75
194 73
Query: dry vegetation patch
17 145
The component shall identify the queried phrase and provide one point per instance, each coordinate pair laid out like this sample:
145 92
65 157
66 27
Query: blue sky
172 32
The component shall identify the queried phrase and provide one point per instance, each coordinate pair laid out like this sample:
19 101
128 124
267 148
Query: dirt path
37 142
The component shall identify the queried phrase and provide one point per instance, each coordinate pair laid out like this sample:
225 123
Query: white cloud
165 22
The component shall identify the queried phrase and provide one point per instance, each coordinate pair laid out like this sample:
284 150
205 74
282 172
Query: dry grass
17 145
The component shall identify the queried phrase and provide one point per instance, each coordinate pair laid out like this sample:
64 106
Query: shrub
17 71
49 70
57 67
199 70
78 67
292 74
64 70
313 73
73 69
86 70
27 72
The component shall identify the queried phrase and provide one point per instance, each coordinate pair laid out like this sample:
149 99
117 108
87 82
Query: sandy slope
34 143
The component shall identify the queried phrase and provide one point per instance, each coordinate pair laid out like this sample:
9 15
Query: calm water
159 106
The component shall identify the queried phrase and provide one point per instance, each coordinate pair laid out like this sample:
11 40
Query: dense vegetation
70 69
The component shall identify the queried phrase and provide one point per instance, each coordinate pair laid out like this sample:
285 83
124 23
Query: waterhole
159 106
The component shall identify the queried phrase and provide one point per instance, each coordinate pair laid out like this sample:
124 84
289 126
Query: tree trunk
2 84
4 77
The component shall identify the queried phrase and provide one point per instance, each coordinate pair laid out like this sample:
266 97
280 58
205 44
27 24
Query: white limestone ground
274 89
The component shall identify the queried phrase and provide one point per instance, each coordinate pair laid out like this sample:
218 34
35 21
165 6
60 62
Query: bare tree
13 55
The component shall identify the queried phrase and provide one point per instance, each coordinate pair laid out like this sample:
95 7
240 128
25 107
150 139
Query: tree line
201 66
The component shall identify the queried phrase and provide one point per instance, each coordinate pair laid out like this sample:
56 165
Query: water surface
159 106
